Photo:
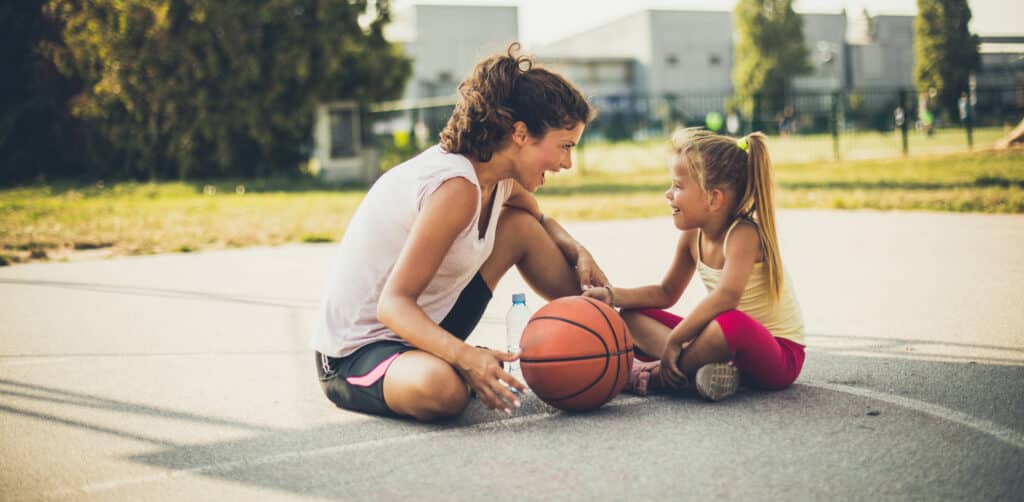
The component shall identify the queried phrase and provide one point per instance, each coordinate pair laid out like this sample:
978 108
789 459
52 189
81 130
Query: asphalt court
180 376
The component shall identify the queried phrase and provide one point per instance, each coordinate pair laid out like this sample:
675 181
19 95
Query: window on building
343 128
611 72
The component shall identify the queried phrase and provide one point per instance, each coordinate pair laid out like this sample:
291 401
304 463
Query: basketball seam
575 358
607 363
615 337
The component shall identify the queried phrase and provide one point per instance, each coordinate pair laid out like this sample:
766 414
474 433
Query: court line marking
300 454
1004 434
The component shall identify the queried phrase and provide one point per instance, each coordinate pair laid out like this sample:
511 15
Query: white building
446 41
672 52
882 53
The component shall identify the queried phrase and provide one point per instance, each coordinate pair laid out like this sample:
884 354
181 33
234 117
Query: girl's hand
671 375
494 386
589 273
599 294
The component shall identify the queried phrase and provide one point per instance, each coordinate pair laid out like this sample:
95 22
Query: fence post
413 141
967 117
579 155
755 114
835 125
902 107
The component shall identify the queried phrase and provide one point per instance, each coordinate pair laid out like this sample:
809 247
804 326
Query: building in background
881 53
654 69
999 84
446 41
670 51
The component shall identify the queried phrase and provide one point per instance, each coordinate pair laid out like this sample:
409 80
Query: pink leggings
764 361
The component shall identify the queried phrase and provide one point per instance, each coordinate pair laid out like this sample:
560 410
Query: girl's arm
589 272
667 293
446 213
743 251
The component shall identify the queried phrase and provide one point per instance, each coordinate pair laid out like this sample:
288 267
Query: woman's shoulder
435 161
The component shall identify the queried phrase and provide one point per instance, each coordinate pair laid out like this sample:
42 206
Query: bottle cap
519 298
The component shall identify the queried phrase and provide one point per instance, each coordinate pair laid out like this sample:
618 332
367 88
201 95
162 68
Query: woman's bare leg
424 387
522 242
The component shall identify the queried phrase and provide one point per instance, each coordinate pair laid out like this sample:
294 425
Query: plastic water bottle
515 323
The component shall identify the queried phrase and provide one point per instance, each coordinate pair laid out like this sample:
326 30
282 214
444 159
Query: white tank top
375 237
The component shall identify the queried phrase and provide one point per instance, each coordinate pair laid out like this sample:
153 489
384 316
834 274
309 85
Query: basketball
576 353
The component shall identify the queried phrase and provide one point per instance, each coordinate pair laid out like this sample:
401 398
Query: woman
433 237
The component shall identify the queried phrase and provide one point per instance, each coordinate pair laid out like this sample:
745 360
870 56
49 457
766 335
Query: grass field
69 221
868 145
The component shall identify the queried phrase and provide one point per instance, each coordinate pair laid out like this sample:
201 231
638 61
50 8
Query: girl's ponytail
759 202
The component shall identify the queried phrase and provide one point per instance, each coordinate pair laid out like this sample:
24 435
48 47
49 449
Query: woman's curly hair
504 89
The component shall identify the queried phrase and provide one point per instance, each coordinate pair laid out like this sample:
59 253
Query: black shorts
356 382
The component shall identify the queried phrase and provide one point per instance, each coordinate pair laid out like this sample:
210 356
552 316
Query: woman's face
686 198
552 152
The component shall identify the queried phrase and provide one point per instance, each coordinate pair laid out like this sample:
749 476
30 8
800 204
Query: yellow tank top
783 319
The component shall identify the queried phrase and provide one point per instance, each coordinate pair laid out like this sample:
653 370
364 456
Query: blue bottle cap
519 298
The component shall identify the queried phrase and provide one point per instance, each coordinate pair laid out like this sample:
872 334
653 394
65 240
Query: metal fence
836 124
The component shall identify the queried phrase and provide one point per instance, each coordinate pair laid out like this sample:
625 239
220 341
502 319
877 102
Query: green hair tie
743 144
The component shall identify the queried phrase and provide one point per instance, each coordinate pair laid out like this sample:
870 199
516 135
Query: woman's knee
438 392
516 226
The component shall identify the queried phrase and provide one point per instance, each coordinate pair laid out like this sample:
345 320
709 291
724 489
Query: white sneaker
717 381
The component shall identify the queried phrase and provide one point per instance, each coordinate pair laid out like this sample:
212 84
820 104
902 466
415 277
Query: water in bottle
515 323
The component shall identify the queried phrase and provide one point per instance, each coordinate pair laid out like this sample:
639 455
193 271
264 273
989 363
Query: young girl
749 326
433 236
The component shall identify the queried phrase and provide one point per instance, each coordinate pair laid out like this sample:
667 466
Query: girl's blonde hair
721 162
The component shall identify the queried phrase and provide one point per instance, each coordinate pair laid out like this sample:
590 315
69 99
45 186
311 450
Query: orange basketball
576 353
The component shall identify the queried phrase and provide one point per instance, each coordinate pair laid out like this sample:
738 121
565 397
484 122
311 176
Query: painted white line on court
301 454
1006 435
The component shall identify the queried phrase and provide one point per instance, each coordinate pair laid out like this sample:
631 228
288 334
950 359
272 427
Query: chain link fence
810 127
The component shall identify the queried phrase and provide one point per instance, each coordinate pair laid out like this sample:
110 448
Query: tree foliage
37 136
769 52
203 88
946 52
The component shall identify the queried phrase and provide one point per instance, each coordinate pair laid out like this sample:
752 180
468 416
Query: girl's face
688 201
552 152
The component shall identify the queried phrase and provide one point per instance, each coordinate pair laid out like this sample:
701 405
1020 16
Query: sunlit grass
817 148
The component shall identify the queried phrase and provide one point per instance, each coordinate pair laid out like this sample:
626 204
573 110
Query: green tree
946 52
202 88
769 52
38 138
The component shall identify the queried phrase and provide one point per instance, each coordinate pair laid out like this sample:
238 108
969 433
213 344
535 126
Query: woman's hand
480 369
589 273
671 375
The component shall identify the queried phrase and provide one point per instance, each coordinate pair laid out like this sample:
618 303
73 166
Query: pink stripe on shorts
764 360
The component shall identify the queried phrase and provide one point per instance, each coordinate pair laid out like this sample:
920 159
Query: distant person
749 327
926 123
732 123
786 121
433 236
